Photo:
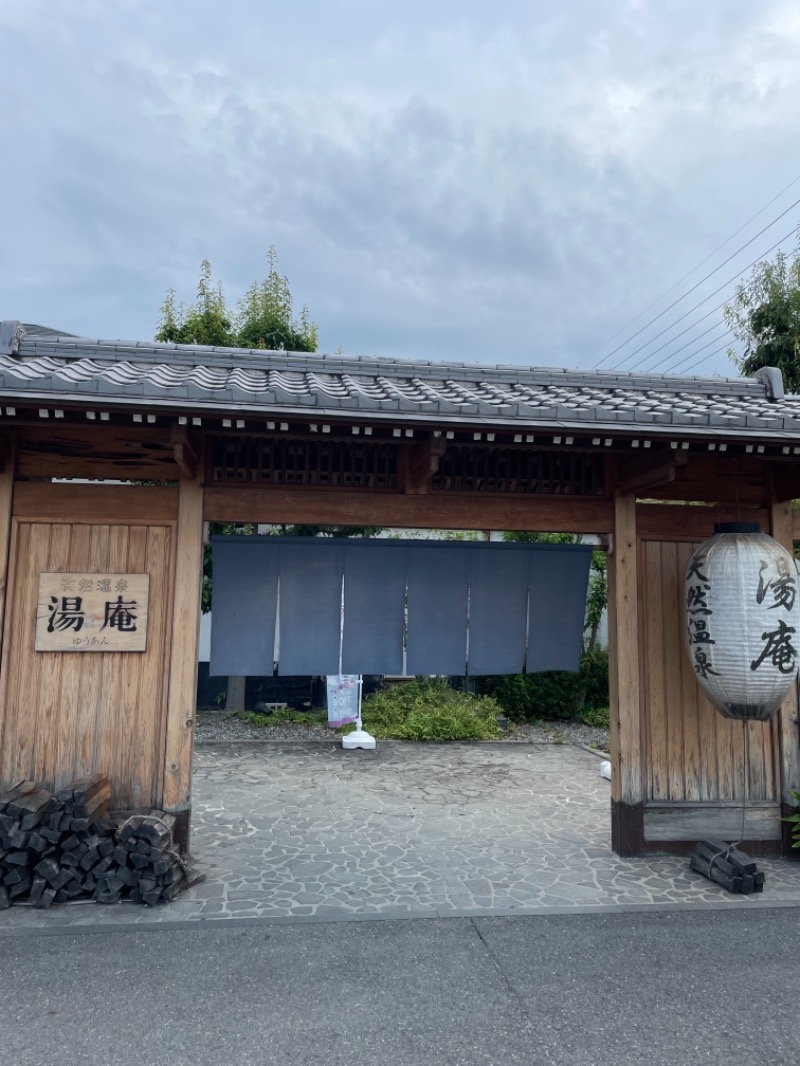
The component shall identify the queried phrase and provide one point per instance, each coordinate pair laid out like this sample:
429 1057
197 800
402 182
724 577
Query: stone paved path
308 830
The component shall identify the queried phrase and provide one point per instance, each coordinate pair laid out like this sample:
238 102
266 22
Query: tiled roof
44 364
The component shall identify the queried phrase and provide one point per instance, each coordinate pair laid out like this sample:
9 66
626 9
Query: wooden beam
698 821
651 470
627 794
715 478
182 692
341 507
183 451
421 462
133 452
674 521
786 482
132 504
787 717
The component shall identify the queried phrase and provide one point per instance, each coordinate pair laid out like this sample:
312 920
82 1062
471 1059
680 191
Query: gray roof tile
41 363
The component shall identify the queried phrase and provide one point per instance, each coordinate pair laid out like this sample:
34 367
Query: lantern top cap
737 527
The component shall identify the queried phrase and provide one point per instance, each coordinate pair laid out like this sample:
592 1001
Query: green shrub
524 697
422 709
594 674
555 694
429 709
794 820
596 716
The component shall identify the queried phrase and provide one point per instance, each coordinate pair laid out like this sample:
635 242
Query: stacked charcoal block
56 847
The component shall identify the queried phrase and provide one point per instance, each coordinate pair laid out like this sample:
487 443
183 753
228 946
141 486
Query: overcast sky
507 182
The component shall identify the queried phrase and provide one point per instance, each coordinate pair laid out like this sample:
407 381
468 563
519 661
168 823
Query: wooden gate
696 774
127 714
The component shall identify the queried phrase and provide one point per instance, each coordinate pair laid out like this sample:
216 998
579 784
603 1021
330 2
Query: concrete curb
577 911
594 751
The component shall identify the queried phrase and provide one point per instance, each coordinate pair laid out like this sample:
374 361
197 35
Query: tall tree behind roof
263 319
765 316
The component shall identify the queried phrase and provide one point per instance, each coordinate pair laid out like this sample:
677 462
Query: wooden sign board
92 612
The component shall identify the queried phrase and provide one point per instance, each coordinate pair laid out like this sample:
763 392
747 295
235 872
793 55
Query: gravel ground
217 725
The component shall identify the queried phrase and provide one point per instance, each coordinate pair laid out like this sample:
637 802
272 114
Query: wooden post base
181 829
627 828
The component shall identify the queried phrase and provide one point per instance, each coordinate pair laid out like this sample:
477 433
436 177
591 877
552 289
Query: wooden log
20 889
18 838
713 873
85 789
738 858
19 858
49 869
716 857
33 808
37 842
5 899
193 876
126 875
8 799
62 879
37 888
94 807
107 897
47 898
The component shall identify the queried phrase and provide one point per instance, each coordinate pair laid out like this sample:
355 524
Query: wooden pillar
6 503
182 698
786 720
627 798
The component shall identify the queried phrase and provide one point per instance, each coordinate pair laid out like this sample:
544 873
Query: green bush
594 674
428 709
554 694
597 716
422 709
525 697
794 820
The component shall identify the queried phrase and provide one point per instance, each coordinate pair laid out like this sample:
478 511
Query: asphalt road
657 988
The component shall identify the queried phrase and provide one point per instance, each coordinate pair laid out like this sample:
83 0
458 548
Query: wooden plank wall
64 716
693 755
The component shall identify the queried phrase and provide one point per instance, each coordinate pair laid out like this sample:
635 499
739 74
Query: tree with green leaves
765 317
264 317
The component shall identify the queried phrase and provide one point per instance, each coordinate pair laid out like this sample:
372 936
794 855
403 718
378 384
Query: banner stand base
359 738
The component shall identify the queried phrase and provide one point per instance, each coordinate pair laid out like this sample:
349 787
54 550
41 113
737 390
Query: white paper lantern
742 620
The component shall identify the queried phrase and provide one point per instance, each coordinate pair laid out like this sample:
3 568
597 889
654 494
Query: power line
694 268
677 336
705 358
713 326
691 355
695 308
695 286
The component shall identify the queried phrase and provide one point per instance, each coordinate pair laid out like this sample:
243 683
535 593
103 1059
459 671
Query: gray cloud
459 183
